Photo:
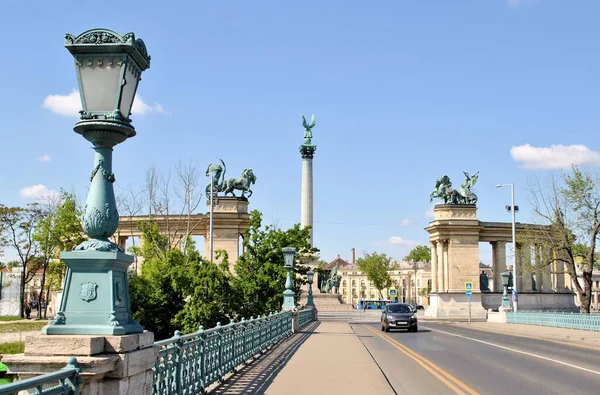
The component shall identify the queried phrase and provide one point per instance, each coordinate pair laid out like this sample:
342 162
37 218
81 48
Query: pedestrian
27 310
4 377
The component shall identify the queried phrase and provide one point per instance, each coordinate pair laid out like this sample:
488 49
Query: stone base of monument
116 365
534 301
455 306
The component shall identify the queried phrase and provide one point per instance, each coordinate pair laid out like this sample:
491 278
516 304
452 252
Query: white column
306 208
445 247
498 264
434 267
440 258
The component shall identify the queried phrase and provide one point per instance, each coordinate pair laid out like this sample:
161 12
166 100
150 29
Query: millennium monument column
307 150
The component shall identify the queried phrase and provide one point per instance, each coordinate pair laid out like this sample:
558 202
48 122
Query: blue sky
403 92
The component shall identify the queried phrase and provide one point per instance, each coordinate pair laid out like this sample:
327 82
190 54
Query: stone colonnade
230 221
536 270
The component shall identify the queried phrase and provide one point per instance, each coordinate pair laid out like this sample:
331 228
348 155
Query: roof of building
339 262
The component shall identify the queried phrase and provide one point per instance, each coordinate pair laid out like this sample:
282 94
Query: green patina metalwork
62 382
95 296
307 150
220 184
586 322
289 254
443 190
188 364
305 317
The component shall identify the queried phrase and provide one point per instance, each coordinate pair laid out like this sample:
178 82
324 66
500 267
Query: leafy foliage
17 228
376 267
260 275
420 253
570 205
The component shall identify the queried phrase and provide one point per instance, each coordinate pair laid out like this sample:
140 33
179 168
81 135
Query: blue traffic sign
393 292
468 285
469 292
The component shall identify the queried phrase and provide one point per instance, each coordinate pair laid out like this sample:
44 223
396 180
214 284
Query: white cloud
40 193
70 105
405 222
554 157
65 105
397 240
45 158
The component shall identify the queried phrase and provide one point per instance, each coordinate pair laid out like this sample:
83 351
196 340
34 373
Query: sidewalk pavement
325 358
575 337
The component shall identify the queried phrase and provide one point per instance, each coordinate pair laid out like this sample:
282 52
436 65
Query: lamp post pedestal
95 299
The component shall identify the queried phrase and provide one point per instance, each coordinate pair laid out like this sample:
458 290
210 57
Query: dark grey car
399 316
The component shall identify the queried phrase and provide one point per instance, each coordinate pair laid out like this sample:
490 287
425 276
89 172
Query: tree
570 204
420 253
59 229
376 267
260 275
18 227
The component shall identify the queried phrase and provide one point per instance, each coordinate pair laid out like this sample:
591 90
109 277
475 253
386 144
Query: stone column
538 268
446 266
498 263
546 254
306 208
559 268
434 267
525 269
441 270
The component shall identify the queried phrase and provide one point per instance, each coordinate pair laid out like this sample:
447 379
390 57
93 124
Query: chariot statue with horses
220 184
443 190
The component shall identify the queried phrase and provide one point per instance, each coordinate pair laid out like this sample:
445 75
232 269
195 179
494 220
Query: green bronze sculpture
332 283
308 129
220 184
443 190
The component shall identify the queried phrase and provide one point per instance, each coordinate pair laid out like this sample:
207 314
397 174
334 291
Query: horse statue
218 173
443 190
241 184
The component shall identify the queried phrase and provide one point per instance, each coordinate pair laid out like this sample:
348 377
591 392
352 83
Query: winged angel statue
308 129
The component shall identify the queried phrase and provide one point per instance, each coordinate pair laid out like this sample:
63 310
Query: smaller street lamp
513 208
289 254
309 279
505 299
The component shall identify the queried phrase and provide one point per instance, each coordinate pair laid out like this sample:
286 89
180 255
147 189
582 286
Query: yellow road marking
452 382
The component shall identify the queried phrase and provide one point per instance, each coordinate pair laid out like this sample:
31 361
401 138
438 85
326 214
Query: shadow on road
256 377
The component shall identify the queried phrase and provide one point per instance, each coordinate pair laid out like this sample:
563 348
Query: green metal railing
305 317
586 322
188 364
63 382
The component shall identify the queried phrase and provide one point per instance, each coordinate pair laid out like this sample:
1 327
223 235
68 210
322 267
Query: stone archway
230 222
455 234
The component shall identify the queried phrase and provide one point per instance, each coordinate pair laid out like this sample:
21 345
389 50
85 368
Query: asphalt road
445 359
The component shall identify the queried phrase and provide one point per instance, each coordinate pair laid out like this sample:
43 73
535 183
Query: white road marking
517 351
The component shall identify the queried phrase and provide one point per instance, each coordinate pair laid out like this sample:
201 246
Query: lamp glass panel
129 89
99 83
309 277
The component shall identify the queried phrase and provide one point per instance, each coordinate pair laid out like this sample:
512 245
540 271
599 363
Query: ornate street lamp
309 279
95 296
289 254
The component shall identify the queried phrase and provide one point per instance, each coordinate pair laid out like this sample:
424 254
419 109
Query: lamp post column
289 303
515 295
310 302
